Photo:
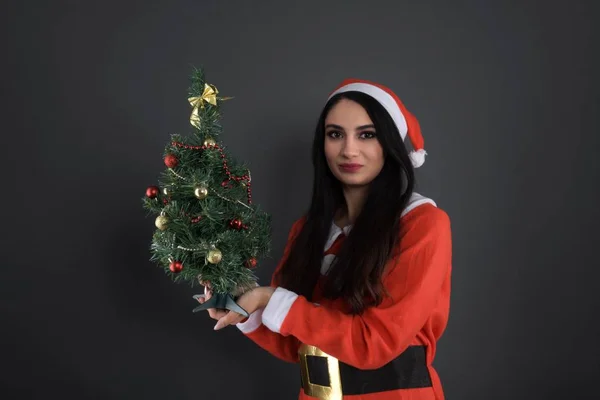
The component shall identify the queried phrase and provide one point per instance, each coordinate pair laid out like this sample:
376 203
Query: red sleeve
283 347
415 281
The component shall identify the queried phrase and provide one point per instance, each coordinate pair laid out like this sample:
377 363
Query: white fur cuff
278 308
252 323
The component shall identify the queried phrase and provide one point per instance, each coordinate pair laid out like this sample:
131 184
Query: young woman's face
353 153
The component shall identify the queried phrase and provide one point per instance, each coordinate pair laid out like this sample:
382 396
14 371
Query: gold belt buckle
332 392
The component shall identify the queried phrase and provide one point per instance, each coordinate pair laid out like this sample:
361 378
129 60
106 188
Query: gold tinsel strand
176 174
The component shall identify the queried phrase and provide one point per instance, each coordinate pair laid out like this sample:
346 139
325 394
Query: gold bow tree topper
197 102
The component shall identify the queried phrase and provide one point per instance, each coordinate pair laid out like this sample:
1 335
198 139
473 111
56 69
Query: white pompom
417 157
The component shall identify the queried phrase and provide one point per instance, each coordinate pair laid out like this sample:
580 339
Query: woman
361 295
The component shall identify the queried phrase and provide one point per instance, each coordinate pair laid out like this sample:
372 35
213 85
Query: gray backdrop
507 96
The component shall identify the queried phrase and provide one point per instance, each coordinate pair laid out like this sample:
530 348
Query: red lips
350 167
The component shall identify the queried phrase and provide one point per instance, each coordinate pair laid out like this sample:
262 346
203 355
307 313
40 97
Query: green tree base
222 301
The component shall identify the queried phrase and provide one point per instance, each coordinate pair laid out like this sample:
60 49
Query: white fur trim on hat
384 98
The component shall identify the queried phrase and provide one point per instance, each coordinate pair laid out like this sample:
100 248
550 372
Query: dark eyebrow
358 128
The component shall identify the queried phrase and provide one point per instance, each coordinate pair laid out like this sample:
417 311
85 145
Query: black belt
325 377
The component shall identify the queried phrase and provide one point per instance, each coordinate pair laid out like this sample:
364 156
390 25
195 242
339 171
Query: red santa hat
407 124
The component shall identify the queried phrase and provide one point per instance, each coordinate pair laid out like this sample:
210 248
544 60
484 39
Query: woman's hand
250 301
214 313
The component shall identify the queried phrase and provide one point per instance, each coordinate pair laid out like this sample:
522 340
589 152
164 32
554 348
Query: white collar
334 232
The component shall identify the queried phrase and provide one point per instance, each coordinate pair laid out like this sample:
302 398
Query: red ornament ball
152 192
251 263
171 161
235 224
176 267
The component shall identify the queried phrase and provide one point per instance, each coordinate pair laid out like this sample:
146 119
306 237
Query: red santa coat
416 313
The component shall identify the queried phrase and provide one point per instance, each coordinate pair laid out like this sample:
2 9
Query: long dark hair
356 274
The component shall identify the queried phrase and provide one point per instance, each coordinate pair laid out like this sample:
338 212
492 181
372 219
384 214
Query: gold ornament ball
214 256
201 192
209 142
161 222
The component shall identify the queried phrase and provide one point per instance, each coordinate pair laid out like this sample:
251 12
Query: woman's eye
334 134
367 135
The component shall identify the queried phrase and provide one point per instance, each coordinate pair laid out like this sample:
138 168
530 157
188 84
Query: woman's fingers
205 284
230 319
217 313
214 313
200 298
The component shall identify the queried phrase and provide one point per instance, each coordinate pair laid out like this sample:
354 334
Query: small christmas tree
208 229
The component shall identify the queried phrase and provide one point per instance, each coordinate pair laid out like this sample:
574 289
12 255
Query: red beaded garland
227 182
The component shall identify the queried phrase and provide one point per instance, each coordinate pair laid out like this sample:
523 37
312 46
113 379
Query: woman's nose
350 147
